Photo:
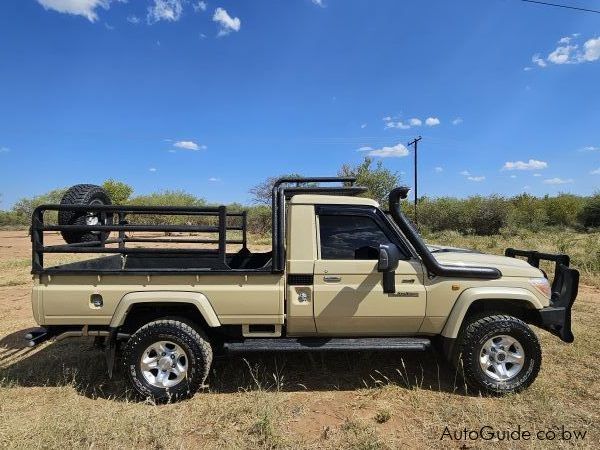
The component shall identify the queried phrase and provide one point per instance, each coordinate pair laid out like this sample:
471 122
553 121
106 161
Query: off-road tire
471 340
197 349
83 194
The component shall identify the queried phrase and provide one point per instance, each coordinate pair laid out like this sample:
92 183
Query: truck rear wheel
499 354
167 360
84 194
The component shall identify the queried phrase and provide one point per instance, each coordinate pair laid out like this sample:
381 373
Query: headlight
542 285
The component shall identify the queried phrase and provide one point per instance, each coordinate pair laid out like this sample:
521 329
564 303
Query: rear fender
194 298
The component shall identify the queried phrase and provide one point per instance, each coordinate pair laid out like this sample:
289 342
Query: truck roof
310 199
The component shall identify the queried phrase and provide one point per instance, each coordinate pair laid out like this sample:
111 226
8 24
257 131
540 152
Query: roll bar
432 264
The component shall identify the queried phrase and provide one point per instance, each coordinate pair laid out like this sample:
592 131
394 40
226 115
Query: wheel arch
165 303
518 302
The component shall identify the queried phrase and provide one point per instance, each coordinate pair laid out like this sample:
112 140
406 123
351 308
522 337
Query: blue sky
212 97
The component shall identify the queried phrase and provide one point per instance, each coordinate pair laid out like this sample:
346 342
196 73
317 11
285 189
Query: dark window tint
350 237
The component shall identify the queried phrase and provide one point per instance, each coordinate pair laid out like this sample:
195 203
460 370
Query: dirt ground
58 395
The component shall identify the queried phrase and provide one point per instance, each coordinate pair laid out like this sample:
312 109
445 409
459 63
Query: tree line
482 215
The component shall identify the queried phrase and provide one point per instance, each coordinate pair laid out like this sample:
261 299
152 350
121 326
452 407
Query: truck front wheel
167 360
499 354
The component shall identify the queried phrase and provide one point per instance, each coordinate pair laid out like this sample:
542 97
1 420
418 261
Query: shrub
590 213
259 220
527 211
485 216
563 210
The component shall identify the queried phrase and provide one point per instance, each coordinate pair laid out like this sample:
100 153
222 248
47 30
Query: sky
213 97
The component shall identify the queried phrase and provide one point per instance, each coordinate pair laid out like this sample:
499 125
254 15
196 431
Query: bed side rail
197 220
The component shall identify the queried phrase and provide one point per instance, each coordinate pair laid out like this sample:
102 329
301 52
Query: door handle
332 279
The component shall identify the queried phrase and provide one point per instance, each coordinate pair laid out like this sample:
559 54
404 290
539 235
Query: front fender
194 298
468 296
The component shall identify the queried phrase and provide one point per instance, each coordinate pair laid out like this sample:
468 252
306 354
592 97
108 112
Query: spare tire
84 194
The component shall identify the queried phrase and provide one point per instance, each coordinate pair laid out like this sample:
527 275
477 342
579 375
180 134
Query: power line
562 6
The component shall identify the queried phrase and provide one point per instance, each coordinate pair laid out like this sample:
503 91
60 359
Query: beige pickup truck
342 275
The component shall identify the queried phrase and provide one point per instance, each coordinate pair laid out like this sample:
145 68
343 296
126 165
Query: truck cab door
348 292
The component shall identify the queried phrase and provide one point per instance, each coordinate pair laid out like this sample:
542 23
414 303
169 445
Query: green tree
118 191
378 180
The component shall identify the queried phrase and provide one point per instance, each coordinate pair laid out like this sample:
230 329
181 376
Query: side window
350 237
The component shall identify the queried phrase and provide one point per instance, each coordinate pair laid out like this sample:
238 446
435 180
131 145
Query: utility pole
414 143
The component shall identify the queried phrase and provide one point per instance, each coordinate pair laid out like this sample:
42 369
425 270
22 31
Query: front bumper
555 318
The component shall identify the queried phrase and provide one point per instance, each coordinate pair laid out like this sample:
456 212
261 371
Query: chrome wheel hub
93 219
164 364
502 358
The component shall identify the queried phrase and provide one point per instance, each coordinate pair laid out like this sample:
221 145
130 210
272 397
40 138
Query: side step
328 344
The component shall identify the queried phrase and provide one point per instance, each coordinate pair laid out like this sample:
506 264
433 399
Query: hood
510 267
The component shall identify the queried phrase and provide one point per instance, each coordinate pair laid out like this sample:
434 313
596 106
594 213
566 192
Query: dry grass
58 396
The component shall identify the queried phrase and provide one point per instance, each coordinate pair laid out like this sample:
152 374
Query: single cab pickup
342 275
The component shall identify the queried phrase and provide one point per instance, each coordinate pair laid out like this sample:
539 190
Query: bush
527 211
440 214
590 213
259 220
563 210
169 198
486 216
118 191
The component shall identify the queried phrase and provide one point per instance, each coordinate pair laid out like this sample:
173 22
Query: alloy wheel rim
502 358
164 364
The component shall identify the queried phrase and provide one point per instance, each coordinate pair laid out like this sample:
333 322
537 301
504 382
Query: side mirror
389 257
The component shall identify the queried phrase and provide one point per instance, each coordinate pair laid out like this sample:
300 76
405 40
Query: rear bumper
555 318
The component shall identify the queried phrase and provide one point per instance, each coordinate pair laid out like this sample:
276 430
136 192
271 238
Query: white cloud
558 181
394 122
396 151
562 55
4 149
152 169
168 10
569 52
526 188
527 69
537 59
391 123
532 164
85 8
457 121
227 24
214 179
513 176
438 169
589 148
591 50
319 3
200 6
363 125
537 174
595 172
189 145
133 19
470 177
